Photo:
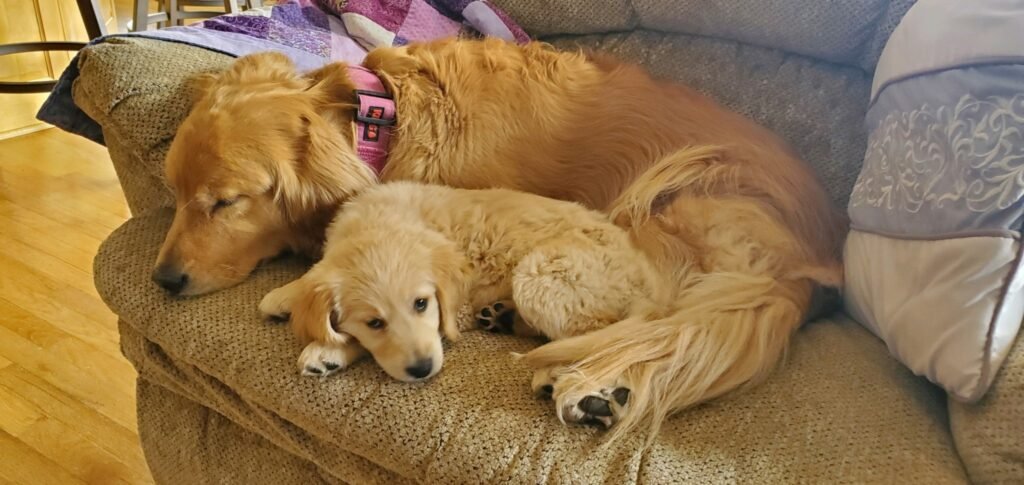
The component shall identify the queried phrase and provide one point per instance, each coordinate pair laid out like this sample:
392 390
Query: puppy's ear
451 273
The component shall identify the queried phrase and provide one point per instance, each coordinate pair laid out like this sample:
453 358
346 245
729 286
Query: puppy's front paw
320 360
498 317
276 305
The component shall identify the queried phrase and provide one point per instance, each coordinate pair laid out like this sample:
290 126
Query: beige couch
220 401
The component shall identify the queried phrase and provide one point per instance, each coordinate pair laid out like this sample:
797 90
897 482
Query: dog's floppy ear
199 85
254 68
261 67
324 172
334 84
451 274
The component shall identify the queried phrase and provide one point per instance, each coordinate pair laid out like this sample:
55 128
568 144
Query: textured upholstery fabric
840 409
541 18
887 23
849 32
172 427
990 434
834 31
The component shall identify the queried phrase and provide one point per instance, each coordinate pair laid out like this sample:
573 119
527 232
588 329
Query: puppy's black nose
170 278
420 369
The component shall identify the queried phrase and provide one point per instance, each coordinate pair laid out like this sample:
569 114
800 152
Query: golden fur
565 271
745 227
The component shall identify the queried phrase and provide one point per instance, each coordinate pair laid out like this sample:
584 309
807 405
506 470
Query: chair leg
140 16
231 6
161 6
254 4
90 11
173 17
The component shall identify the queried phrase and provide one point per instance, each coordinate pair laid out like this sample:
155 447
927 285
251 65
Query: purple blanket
310 33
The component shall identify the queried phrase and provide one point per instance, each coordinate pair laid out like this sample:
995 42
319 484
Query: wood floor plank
93 377
66 202
67 395
60 240
52 301
28 326
50 401
22 465
48 264
66 446
15 415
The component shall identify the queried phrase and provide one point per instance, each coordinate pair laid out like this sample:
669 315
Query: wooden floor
67 396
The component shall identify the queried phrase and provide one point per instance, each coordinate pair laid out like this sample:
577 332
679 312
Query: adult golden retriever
402 260
267 155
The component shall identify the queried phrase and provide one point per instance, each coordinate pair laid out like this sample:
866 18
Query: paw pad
498 317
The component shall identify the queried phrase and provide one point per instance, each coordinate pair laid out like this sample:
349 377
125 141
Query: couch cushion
849 32
933 264
839 409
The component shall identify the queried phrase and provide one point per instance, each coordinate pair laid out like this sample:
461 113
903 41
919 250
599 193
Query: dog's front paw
498 317
320 360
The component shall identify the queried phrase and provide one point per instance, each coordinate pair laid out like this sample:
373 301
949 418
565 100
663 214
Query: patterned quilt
311 33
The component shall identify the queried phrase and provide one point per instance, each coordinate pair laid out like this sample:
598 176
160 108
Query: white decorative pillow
933 259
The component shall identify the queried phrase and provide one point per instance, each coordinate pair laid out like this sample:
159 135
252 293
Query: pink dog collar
374 119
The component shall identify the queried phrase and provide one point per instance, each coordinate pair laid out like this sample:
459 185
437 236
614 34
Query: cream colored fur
565 269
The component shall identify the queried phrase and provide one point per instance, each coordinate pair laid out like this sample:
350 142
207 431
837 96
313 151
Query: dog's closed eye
224 203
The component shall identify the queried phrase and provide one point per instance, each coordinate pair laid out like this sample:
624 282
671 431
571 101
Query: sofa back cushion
850 32
932 261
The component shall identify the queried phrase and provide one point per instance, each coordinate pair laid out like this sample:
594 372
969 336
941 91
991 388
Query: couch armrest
137 90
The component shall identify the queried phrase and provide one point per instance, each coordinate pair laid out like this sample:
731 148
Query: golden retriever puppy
402 259
745 227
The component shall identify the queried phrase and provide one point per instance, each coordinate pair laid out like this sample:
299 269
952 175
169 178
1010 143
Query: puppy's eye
420 305
222 203
376 324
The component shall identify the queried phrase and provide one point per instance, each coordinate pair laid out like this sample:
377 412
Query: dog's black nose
420 369
170 278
